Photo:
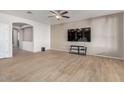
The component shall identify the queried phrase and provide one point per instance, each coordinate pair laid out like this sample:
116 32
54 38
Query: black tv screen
79 35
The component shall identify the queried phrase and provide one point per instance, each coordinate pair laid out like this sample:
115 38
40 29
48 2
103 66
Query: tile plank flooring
56 66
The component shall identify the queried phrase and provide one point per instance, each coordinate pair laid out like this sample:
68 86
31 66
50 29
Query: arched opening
22 37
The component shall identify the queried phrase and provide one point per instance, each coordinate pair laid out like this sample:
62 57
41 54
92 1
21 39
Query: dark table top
76 46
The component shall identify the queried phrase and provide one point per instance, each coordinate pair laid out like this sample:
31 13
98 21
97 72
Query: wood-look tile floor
56 66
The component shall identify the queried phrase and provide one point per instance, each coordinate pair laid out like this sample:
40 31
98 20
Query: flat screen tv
80 35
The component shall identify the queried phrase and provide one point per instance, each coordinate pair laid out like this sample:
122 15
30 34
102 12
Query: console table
78 49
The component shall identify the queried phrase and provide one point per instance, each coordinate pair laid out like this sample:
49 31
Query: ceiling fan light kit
58 17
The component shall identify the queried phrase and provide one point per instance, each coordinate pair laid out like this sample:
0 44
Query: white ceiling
42 15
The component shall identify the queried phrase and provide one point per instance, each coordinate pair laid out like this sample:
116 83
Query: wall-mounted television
79 34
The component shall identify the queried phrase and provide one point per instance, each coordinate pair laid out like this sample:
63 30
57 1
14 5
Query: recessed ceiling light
29 12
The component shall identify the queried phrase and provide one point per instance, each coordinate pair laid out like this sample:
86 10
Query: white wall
5 40
123 35
106 35
21 38
41 32
15 38
27 45
42 37
28 34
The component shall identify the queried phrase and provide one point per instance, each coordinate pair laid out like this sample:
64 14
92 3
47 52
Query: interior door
5 41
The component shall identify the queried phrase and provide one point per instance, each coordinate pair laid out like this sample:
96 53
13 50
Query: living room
62 46
73 44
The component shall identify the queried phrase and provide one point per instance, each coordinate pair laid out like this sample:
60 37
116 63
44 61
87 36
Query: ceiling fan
59 14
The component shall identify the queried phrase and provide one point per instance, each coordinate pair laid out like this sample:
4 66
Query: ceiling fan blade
50 16
53 12
65 12
66 16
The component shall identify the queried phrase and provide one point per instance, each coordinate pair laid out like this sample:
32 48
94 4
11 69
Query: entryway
22 37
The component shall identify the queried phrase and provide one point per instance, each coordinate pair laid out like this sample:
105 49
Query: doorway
22 37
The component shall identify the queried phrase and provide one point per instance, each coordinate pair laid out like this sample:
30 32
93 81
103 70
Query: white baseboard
109 57
59 50
91 54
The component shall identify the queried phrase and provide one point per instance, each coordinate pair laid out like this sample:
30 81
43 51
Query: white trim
91 54
109 57
59 50
26 26
123 34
